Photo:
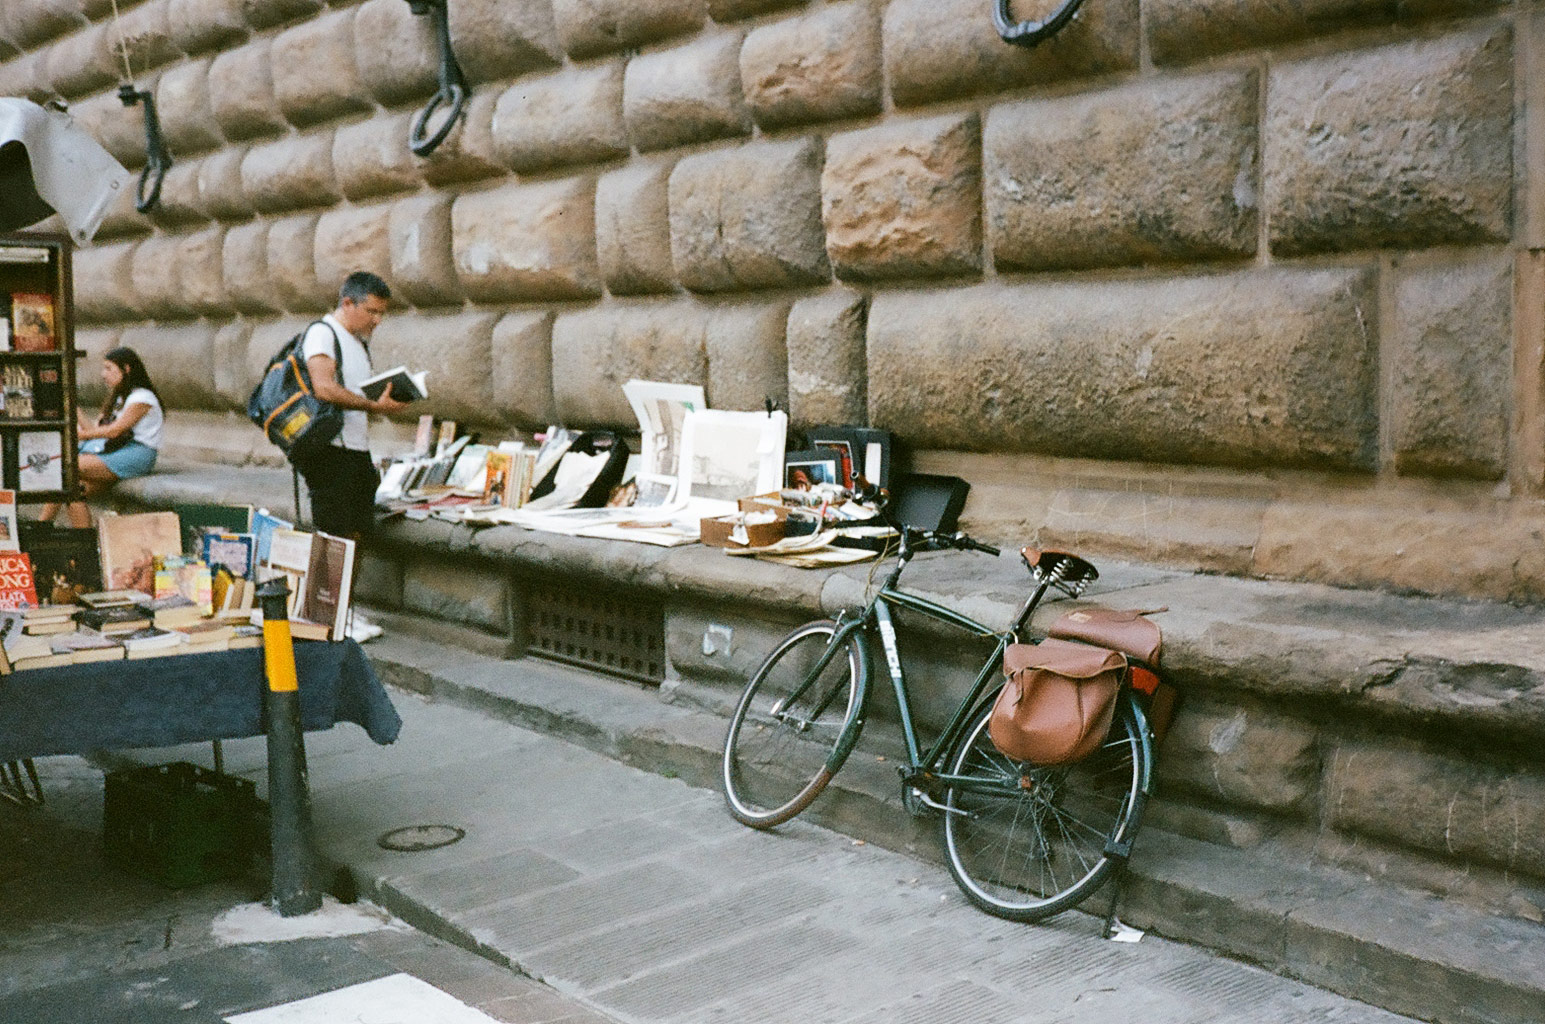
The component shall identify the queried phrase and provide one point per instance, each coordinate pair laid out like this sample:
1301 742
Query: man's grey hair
360 285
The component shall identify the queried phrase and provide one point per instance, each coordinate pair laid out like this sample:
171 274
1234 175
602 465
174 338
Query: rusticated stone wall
1245 263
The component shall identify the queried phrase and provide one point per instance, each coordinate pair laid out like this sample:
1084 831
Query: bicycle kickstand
1121 852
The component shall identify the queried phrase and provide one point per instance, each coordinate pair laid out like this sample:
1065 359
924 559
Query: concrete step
1262 893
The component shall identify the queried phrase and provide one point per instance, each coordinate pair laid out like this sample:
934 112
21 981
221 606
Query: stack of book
46 619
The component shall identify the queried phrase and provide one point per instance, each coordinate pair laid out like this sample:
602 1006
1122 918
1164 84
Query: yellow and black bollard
289 791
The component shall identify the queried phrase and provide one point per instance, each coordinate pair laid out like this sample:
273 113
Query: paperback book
66 562
16 585
406 387
131 544
328 580
32 322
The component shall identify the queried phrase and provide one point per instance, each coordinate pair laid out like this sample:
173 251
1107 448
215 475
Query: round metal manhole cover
414 838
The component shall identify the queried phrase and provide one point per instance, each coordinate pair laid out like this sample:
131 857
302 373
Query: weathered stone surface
689 94
182 104
26 76
1468 806
469 594
201 271
1144 173
1453 369
291 173
1185 30
33 21
419 235
147 31
819 67
155 274
597 351
268 337
244 265
82 62
395 51
904 200
455 348
633 229
748 361
467 154
201 25
588 27
1406 145
1274 367
241 92
350 239
571 117
372 158
827 365
95 342
120 130
1243 756
522 367
292 266
180 359
498 39
729 10
527 241
104 282
122 219
749 217
936 49
179 202
230 363
263 13
315 76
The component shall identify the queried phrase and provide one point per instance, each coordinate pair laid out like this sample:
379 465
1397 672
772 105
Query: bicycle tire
1042 843
774 766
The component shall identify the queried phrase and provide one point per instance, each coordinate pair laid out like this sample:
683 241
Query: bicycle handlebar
868 494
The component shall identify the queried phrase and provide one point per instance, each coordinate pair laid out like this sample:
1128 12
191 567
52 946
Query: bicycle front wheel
1026 842
790 731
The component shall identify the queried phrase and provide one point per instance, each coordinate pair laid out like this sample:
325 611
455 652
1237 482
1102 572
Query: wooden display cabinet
37 360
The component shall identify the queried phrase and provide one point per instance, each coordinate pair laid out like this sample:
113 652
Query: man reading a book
340 476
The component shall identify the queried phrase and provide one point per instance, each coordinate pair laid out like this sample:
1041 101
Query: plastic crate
181 824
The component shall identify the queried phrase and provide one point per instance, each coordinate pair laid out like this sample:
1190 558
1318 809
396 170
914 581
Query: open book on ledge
406 387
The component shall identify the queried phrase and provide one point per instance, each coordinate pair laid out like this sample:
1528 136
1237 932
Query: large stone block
395 51
588 27
29 22
147 32
244 266
26 76
1150 172
315 75
181 360
241 91
1186 30
182 104
828 369
120 129
83 62
468 153
498 39
156 280
749 217
93 343
597 351
730 10
633 229
350 239
419 230
179 203
822 66
231 343
1407 145
290 174
689 94
1459 804
455 347
522 357
904 200
104 282
220 192
462 593
527 241
571 117
202 25
292 266
1243 756
1452 369
268 337
200 256
936 49
121 218
748 361
372 158
1274 368
263 13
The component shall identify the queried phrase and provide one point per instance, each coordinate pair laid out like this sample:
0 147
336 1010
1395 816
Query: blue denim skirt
133 459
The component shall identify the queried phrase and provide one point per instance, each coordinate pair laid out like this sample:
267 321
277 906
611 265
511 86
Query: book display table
161 702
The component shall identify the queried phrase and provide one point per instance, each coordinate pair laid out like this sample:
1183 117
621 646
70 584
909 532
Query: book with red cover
32 322
16 586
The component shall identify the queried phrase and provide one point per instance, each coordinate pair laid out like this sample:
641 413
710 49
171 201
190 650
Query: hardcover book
9 538
114 620
18 392
189 577
65 561
264 524
406 387
39 460
47 394
328 581
170 612
16 586
233 552
131 544
197 519
32 322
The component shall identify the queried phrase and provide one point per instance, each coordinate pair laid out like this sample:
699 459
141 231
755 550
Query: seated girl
123 442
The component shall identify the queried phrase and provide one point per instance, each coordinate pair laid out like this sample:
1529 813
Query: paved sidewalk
639 896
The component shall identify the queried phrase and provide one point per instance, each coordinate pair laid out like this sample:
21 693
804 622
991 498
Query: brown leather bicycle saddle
1075 570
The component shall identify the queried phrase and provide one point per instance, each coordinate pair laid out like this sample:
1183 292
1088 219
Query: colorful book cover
264 523
327 582
130 545
198 519
233 552
9 538
65 561
16 586
39 461
32 322
498 478
189 577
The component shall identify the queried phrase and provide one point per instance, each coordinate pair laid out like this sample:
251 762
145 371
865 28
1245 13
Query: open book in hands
406 387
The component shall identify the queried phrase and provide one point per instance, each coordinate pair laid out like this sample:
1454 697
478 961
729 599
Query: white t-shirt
148 430
356 368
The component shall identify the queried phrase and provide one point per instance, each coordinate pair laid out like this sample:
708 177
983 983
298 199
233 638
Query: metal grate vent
620 636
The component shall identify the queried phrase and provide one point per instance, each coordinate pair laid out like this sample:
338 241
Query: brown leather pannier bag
1125 631
1058 703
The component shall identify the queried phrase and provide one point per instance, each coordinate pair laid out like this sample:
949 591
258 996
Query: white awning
50 165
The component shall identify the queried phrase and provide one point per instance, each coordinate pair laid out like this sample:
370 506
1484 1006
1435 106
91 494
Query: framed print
39 461
803 470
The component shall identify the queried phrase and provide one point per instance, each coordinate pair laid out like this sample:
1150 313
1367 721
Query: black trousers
342 483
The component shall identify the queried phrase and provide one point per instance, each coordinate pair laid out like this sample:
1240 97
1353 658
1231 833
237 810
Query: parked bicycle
1024 841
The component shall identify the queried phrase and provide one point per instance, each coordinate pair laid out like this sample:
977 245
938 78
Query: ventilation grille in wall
621 636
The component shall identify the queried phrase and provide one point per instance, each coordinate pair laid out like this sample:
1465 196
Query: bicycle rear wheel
791 730
1026 842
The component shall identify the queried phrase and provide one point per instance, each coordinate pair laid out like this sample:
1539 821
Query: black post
289 793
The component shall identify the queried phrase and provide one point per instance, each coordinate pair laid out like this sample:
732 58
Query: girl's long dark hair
134 376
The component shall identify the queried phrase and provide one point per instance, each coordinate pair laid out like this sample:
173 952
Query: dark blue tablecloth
160 702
